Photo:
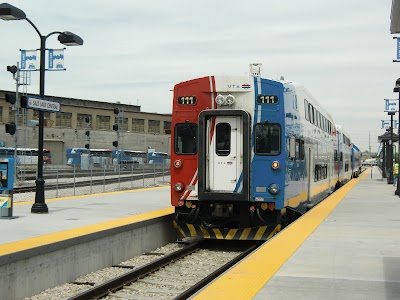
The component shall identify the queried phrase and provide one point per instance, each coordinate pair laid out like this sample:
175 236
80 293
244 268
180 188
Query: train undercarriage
236 220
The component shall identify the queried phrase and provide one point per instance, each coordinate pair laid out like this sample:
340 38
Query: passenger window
223 139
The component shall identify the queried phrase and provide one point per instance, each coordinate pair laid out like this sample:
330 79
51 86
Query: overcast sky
136 51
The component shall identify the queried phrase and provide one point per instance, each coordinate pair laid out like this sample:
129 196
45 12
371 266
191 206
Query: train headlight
179 186
273 189
220 99
230 99
275 165
177 163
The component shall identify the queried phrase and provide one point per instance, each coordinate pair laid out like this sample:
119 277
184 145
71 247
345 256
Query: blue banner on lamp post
385 124
398 48
391 105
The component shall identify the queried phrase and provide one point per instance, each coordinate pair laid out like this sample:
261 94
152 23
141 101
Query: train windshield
267 139
185 138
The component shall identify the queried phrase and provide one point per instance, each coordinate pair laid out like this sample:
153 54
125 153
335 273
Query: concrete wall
29 272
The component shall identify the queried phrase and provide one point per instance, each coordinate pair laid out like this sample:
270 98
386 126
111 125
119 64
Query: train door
224 155
224 152
309 172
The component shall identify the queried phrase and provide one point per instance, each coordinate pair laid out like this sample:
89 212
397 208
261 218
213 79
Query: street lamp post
9 12
390 156
397 89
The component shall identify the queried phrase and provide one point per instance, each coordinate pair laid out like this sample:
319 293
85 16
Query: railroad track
177 275
88 182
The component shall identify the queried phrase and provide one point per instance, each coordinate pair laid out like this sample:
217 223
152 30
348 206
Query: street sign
39 104
391 105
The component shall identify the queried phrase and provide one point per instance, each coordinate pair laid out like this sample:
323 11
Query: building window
154 126
103 122
63 119
167 127
137 125
46 120
81 121
1 114
11 115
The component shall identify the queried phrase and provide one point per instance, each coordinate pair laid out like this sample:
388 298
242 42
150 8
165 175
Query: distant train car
74 156
343 157
158 158
99 157
250 155
129 157
355 161
26 156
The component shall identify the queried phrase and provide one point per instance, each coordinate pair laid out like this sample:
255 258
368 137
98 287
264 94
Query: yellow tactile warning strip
247 278
30 243
92 195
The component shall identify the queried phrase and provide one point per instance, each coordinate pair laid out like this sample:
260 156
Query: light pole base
39 208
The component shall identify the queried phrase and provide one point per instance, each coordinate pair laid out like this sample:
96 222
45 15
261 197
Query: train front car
245 170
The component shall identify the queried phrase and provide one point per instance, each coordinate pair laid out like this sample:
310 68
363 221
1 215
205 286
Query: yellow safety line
6 249
245 279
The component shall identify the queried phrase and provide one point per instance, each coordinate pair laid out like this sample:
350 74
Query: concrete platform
72 212
348 247
79 235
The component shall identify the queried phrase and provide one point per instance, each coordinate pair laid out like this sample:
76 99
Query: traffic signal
10 98
87 133
115 127
11 128
12 69
115 144
87 146
24 101
116 110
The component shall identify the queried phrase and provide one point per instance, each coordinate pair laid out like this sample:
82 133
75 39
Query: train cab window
267 138
223 139
185 138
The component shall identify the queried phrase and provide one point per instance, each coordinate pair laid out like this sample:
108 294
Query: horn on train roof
255 69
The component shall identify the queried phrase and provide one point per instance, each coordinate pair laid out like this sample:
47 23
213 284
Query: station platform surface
78 211
347 247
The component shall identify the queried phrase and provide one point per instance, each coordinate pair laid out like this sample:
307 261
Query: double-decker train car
248 156
343 156
355 161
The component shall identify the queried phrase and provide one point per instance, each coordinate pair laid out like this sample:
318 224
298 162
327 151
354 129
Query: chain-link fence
63 181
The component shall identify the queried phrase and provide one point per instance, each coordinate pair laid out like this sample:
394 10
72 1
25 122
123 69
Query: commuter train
249 155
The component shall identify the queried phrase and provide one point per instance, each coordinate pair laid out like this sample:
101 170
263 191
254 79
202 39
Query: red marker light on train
275 165
177 163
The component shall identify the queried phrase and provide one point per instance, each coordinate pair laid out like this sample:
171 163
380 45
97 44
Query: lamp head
70 39
9 12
